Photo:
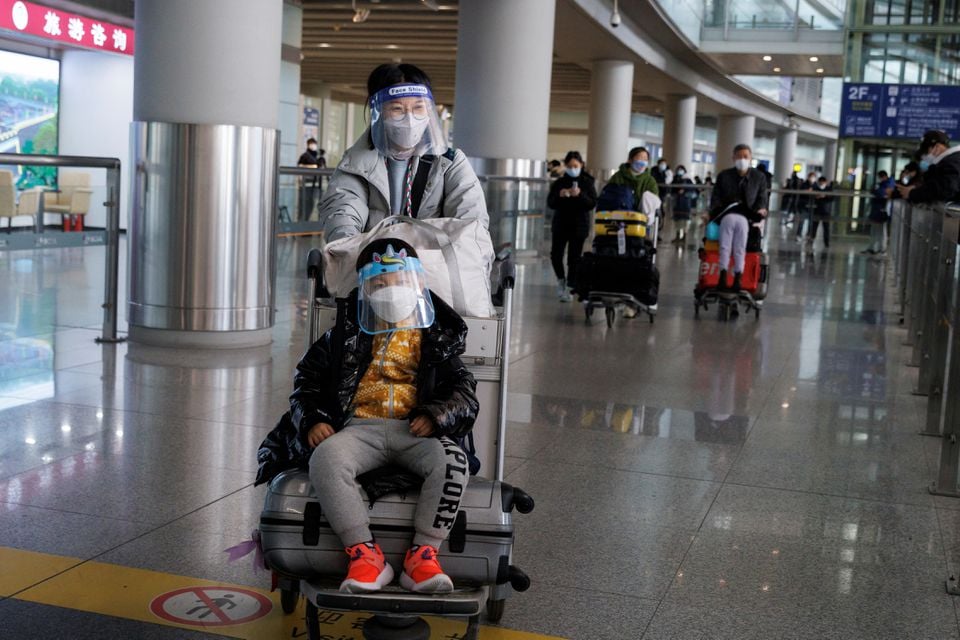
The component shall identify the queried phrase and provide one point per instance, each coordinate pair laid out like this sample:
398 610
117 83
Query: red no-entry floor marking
210 606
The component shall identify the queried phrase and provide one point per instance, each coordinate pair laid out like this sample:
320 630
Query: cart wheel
611 316
495 610
651 317
313 621
289 600
756 313
588 310
723 312
696 309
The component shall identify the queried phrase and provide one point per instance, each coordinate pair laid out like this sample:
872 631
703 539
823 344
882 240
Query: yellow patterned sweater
388 389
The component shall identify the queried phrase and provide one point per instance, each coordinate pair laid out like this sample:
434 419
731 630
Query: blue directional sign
871 110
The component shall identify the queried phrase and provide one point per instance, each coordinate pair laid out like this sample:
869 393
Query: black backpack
617 197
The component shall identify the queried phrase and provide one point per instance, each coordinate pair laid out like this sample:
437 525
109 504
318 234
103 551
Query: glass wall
904 42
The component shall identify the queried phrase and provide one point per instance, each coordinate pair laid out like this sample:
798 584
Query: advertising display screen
29 100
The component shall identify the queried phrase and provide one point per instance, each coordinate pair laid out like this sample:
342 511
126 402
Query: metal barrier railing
112 166
926 263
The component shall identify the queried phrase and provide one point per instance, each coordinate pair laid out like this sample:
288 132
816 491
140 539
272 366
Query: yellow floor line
126 592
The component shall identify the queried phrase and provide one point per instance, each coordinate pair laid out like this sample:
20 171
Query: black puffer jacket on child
328 376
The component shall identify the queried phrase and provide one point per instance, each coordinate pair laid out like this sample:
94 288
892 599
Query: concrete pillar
679 125
731 131
783 161
830 161
205 148
502 105
504 63
611 99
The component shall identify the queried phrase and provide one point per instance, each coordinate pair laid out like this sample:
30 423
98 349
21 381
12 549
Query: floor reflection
640 420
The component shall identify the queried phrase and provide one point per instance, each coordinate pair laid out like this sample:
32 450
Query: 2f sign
857 93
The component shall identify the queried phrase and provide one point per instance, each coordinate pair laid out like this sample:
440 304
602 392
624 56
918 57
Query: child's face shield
393 294
404 122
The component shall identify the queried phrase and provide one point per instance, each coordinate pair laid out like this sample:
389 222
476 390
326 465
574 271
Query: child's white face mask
394 304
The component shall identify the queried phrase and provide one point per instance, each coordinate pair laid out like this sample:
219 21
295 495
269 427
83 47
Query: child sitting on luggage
386 385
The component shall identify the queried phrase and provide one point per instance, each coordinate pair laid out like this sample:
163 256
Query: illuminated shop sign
61 26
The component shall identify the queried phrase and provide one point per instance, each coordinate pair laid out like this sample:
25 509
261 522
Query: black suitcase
638 277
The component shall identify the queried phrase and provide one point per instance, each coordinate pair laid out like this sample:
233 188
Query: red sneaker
368 570
422 572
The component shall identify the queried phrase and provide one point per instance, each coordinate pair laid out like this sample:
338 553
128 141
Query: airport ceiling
340 52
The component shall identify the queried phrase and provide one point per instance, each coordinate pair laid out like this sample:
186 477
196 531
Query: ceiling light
820 70
814 59
776 69
767 58
392 46
324 45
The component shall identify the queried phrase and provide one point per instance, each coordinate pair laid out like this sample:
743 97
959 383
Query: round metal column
206 102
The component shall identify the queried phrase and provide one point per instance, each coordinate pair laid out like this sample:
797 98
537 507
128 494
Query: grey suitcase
298 542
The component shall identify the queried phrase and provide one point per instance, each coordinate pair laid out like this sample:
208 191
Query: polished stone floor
694 479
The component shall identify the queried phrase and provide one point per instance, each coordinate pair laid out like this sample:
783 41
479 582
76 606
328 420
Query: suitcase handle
315 273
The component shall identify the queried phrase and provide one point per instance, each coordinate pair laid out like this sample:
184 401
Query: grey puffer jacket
358 195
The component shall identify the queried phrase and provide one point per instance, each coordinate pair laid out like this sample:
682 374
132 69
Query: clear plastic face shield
393 294
404 122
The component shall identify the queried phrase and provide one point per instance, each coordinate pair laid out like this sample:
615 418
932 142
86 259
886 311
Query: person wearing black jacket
740 197
312 158
572 197
387 386
822 208
941 166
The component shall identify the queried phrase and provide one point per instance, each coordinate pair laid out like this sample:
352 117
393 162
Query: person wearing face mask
822 210
402 164
879 212
659 172
572 197
386 386
940 165
634 173
683 200
310 185
739 198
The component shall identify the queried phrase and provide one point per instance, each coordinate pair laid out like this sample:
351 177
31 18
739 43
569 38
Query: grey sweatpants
368 444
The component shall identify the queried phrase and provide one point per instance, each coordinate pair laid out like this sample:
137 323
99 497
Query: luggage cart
396 612
613 302
751 295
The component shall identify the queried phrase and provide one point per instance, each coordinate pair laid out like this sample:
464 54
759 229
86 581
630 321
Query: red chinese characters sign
62 26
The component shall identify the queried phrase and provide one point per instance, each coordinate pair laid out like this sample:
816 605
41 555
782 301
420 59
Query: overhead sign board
62 26
872 110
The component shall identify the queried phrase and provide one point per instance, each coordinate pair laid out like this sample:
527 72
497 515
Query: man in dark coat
739 198
941 167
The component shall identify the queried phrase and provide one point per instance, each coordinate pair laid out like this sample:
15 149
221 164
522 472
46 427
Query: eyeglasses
398 109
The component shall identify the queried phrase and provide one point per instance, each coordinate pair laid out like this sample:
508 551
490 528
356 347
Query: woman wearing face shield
402 164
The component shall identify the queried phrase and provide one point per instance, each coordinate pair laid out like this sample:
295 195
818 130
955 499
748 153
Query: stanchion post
112 266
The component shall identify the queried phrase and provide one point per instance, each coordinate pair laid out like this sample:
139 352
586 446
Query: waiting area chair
10 207
72 201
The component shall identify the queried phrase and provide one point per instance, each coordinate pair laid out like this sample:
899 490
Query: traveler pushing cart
738 209
621 272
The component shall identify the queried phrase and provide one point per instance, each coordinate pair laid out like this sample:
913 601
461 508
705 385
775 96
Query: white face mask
662 166
742 164
312 147
680 172
393 304
405 134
